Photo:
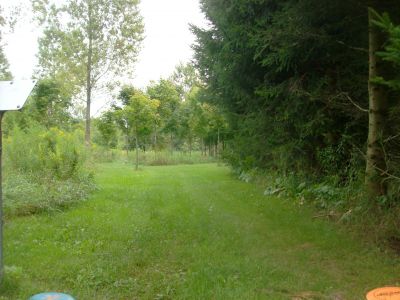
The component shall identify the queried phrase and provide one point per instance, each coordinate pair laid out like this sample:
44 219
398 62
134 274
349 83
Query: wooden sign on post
13 95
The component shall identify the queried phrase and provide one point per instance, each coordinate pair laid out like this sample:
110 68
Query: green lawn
187 232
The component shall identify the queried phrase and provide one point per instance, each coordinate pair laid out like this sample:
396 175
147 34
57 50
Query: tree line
308 86
171 114
86 47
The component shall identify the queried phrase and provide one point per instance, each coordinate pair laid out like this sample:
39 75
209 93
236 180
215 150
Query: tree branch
351 47
355 104
383 172
391 138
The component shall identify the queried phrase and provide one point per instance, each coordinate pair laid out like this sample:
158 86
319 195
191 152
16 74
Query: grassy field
187 232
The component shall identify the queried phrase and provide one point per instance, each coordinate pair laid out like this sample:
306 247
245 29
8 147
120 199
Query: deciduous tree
136 117
167 93
85 40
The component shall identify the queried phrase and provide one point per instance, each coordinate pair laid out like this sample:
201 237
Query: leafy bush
44 170
51 153
25 195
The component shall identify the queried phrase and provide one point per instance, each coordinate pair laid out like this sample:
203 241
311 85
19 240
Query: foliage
138 114
283 73
108 130
49 105
45 164
24 194
185 77
392 47
52 152
86 40
137 117
177 118
292 80
45 170
69 27
167 93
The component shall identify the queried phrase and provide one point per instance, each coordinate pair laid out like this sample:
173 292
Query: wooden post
137 153
218 142
127 144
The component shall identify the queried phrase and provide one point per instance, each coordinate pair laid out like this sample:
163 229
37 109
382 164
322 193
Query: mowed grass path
186 232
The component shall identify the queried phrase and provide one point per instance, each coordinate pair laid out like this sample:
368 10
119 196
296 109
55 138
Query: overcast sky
167 39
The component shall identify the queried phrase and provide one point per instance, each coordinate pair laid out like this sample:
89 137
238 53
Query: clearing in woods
187 232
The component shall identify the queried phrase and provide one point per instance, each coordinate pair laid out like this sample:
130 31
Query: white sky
167 40
168 37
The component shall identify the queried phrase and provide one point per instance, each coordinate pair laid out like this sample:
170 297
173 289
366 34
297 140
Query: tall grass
376 220
44 170
151 158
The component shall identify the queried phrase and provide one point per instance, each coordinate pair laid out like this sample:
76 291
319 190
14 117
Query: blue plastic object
51 296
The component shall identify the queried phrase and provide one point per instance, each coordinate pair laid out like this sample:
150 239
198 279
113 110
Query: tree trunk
137 153
88 102
155 138
190 144
155 142
378 106
218 142
127 144
172 143
89 79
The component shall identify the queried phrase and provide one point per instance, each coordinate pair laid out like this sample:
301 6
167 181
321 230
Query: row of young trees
170 114
85 46
295 78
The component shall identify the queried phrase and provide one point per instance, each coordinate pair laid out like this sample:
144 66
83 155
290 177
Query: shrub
44 170
50 153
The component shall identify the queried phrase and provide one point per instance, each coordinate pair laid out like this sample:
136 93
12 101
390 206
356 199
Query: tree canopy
293 78
86 41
